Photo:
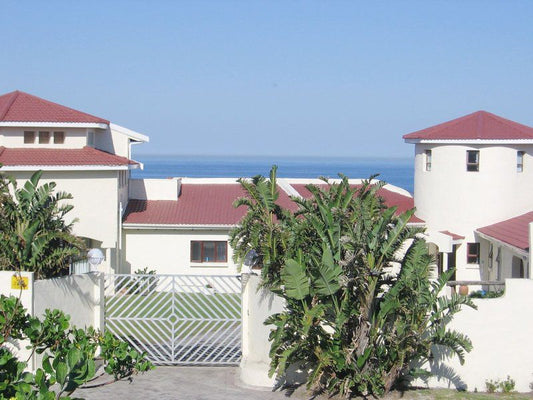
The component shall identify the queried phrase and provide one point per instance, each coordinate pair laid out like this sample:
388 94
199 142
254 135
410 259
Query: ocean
396 171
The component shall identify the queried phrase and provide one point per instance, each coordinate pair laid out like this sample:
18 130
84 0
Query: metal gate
177 319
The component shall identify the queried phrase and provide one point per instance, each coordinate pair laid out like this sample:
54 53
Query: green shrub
352 320
68 354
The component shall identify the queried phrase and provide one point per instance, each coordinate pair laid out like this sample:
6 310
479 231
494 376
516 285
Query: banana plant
354 322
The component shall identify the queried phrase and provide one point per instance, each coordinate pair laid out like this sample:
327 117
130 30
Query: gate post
99 298
257 305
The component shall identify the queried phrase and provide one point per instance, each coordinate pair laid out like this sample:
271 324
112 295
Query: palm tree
34 234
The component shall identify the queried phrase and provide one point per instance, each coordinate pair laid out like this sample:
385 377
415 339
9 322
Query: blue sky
288 78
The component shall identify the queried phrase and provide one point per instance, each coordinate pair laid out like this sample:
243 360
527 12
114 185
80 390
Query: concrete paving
195 383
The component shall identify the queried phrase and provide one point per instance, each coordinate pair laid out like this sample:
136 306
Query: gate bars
177 319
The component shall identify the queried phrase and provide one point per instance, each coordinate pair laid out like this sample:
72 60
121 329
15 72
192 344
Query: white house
182 225
474 190
85 155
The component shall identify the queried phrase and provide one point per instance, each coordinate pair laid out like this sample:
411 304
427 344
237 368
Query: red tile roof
59 157
391 199
198 204
23 107
454 236
514 231
479 125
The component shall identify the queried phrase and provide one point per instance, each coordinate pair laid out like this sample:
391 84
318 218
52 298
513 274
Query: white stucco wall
80 296
95 201
257 306
450 197
168 251
113 142
500 331
154 189
75 138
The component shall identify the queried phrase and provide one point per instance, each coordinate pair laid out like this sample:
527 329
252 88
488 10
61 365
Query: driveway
195 383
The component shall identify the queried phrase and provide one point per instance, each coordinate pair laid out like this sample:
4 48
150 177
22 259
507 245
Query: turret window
428 160
472 160
519 161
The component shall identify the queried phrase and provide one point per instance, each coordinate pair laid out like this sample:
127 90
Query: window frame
472 253
520 160
216 258
472 166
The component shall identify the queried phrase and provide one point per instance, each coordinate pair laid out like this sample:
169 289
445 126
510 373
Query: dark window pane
29 137
44 137
221 251
209 251
472 253
59 137
196 251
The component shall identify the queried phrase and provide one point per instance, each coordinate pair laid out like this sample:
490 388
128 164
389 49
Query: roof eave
45 124
139 137
130 225
67 167
469 141
523 252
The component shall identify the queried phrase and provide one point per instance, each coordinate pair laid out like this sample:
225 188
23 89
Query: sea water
396 171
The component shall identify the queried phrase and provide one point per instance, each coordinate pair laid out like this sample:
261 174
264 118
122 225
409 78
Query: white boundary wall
80 296
500 331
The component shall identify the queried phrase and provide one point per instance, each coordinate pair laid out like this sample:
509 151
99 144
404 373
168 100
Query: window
29 137
59 137
428 160
519 161
44 137
208 251
90 139
472 253
472 160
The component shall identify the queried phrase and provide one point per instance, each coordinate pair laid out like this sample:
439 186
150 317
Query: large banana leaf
295 280
326 282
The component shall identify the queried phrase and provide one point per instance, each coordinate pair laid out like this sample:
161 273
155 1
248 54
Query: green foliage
360 305
33 233
68 354
482 294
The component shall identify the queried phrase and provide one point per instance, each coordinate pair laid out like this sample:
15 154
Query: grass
449 394
169 316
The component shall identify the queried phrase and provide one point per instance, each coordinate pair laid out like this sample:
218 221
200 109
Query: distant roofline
46 124
469 141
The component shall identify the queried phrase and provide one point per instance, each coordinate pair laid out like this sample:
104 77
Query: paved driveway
196 383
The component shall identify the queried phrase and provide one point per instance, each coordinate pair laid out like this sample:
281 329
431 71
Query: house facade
473 189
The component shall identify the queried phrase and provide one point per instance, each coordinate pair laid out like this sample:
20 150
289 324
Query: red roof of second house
23 107
392 199
514 231
60 157
480 125
198 204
